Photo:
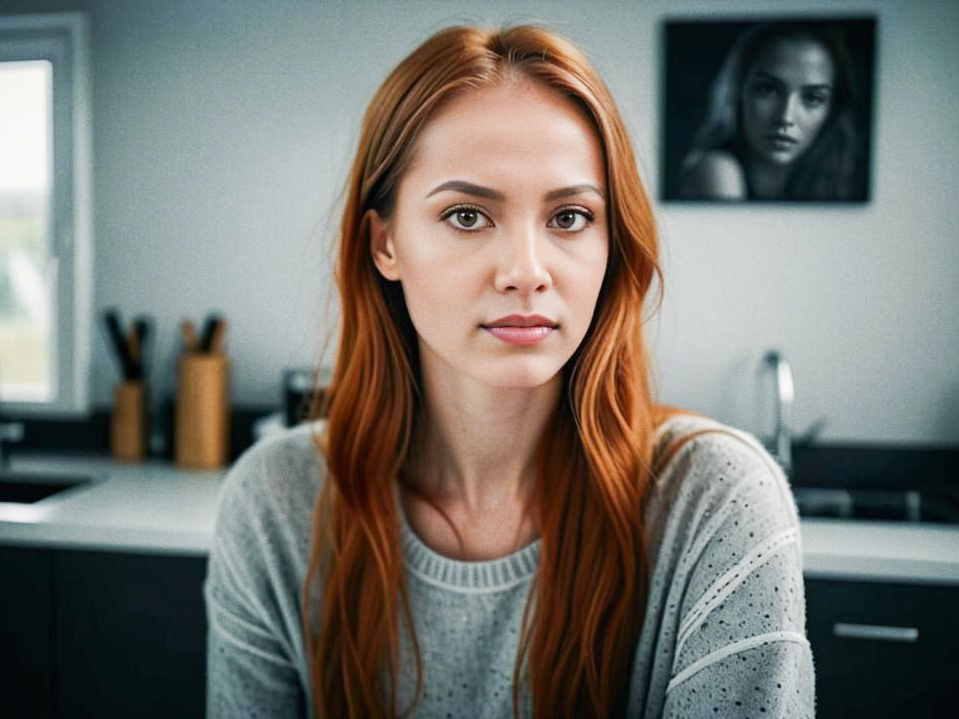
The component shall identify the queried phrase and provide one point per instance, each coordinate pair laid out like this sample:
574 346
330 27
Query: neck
766 180
474 445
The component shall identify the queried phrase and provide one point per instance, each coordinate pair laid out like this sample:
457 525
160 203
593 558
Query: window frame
62 39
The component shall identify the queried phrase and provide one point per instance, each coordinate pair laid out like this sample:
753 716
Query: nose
521 265
786 117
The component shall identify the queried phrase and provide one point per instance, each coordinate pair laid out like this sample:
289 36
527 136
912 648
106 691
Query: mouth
519 321
782 141
521 330
522 336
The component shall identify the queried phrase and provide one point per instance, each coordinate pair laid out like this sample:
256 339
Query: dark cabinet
883 649
131 635
97 634
26 633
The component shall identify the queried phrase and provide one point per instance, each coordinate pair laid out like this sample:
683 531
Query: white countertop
154 507
880 551
146 507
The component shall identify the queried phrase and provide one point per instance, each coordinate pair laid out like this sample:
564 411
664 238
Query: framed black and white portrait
773 110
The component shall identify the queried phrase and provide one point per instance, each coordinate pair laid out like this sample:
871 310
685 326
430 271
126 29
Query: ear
381 245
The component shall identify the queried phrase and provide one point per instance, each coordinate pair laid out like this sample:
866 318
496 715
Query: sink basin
30 487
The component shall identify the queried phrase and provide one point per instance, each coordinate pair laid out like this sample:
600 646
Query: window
45 215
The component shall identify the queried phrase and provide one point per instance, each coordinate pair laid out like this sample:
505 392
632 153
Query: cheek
752 116
815 120
439 295
761 108
586 284
425 296
433 315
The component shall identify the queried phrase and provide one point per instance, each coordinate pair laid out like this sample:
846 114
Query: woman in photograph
783 121
489 514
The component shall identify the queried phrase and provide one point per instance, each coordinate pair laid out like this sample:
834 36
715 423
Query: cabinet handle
871 631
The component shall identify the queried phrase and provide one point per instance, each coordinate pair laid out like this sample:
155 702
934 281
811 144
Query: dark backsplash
829 466
876 467
92 434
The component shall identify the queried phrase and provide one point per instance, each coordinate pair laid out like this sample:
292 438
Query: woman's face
786 99
502 212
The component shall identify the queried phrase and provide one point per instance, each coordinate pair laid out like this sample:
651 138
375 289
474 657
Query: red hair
594 460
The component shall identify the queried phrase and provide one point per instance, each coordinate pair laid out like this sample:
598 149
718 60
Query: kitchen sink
30 487
903 506
884 482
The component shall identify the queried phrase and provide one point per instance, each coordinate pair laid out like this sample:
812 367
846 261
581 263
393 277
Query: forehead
514 135
799 61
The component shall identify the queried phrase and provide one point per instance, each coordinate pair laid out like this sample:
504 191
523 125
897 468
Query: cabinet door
883 650
26 633
131 635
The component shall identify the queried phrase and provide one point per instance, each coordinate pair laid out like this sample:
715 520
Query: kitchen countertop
154 507
150 506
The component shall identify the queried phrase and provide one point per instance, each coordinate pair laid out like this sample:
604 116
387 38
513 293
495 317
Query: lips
521 330
522 321
784 140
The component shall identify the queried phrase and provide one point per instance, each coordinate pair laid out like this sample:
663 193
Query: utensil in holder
128 424
202 418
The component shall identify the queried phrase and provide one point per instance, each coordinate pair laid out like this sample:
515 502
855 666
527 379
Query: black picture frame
705 60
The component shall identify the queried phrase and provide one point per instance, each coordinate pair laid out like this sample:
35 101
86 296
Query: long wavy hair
833 167
594 461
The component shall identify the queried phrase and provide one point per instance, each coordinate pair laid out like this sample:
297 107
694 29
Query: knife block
202 417
128 423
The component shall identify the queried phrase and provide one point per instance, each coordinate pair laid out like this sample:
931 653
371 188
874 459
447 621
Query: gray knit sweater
724 631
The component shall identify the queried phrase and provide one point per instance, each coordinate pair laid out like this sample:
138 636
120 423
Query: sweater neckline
488 575
481 576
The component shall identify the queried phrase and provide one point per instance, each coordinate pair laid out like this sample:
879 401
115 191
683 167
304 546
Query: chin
787 158
521 375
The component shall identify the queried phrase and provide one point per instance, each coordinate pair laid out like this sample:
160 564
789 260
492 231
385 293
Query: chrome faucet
780 444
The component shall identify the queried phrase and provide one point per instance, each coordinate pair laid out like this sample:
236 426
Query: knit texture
723 634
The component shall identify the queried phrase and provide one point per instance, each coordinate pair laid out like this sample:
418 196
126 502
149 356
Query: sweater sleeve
250 668
741 648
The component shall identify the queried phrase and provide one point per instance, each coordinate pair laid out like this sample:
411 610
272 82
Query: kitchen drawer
882 649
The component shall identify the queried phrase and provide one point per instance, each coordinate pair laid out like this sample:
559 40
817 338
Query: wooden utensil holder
202 421
128 424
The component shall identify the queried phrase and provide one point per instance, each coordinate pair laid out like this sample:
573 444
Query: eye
763 88
815 100
465 218
572 219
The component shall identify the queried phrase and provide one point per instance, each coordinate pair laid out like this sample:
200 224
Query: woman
783 121
494 518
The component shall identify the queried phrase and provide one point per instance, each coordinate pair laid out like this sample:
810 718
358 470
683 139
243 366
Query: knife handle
120 346
217 338
143 328
189 335
209 326
133 342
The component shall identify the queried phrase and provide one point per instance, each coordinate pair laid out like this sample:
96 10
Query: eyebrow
469 188
820 86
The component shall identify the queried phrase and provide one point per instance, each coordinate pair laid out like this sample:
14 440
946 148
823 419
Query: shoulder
705 445
280 474
712 473
717 174
727 585
258 558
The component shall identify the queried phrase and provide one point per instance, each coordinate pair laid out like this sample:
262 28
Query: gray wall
223 135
